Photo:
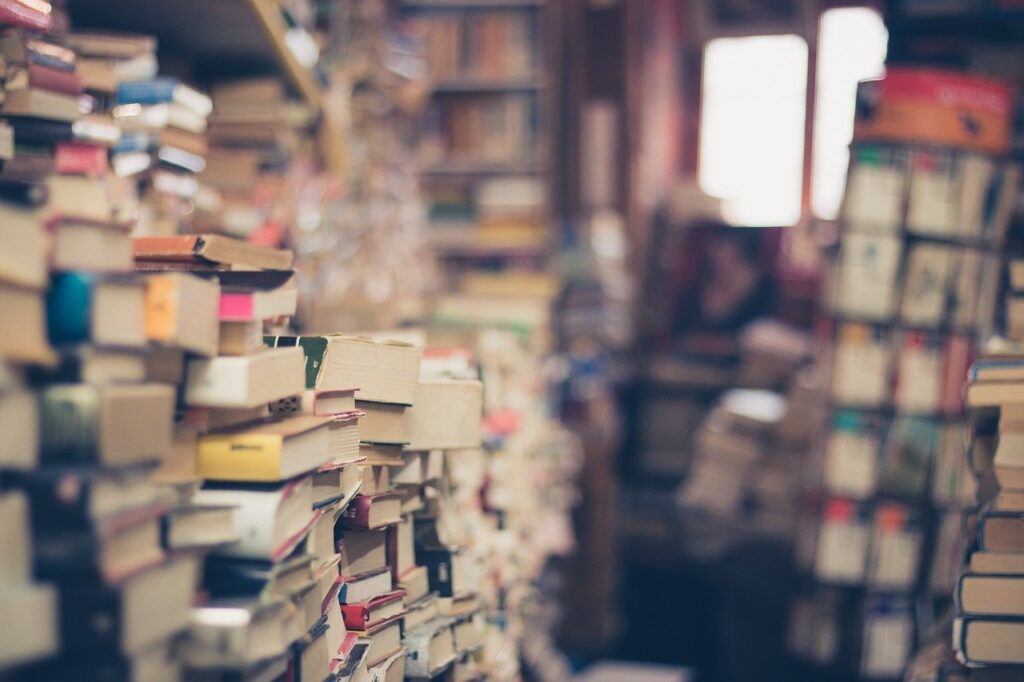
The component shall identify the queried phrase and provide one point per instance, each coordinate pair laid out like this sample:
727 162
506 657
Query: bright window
752 127
851 47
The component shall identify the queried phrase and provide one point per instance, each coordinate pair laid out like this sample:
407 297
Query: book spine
439 571
59 502
47 77
69 308
73 158
35 132
240 458
17 13
69 421
357 514
90 618
154 91
356 616
236 307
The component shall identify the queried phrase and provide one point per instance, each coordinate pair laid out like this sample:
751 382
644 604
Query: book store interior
512 340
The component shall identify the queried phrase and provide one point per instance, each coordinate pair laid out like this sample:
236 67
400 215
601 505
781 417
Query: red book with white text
34 14
75 158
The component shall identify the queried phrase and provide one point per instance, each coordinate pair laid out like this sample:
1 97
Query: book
401 547
984 641
987 595
270 451
372 612
385 641
240 338
446 416
270 519
36 15
362 551
321 402
126 618
112 425
107 311
209 248
24 333
384 372
39 103
193 526
19 422
997 562
160 90
415 583
105 552
34 608
90 246
430 648
450 570
235 633
1001 531
382 423
77 158
368 512
244 382
15 540
133 117
181 311
252 305
359 588
421 611
80 197
23 256
83 497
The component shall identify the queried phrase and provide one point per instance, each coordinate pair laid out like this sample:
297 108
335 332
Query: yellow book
270 451
182 312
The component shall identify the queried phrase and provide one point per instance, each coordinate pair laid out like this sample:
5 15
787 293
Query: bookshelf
191 32
487 122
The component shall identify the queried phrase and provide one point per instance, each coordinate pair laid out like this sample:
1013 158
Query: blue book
164 91
133 141
69 307
105 310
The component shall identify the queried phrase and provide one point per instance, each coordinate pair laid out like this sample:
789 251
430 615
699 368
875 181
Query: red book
34 14
75 158
373 612
55 80
368 512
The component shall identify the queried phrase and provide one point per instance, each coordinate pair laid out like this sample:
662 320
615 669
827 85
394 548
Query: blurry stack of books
84 440
255 133
161 143
988 634
914 290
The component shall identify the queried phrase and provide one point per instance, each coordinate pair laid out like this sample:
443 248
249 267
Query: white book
874 196
926 285
445 416
245 381
269 521
866 284
34 609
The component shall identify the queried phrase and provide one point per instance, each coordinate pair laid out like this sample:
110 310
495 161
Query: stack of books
988 630
159 125
255 133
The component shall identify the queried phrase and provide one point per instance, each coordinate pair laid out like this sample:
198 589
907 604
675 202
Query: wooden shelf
480 85
216 39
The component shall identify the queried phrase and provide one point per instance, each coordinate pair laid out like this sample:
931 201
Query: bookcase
484 141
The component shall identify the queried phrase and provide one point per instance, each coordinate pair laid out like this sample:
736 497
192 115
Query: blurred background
751 246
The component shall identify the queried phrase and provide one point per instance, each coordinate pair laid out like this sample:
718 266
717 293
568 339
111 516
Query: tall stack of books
94 428
914 291
987 633
364 579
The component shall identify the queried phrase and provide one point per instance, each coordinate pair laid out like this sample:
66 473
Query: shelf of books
913 295
191 488
484 139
